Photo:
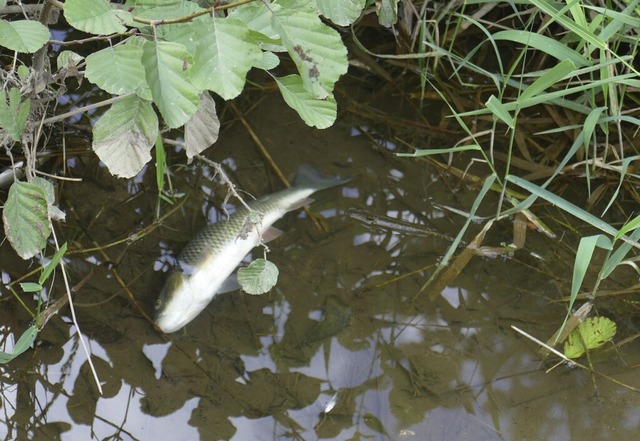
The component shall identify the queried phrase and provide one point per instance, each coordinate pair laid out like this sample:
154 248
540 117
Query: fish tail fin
309 176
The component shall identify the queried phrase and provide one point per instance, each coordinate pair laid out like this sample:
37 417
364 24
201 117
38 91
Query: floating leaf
317 49
23 35
26 220
93 16
224 55
592 333
117 70
259 277
175 96
343 12
315 112
124 135
202 129
24 342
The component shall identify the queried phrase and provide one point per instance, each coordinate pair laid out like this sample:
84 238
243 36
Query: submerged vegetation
542 97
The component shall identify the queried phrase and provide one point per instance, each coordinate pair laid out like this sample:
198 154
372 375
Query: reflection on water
343 349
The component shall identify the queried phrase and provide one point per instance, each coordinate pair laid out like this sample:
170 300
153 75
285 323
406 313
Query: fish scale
214 236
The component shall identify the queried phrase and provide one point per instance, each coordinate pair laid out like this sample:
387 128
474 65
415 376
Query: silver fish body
216 251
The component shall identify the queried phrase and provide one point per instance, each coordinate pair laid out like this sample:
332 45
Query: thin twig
225 178
73 112
73 315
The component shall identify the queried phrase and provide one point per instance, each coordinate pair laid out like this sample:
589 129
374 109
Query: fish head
174 307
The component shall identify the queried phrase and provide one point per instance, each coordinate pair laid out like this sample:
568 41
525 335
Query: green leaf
589 125
23 35
68 58
30 287
23 72
343 12
161 9
267 61
591 333
550 78
584 254
563 204
124 135
13 117
117 70
93 16
176 98
499 111
557 15
257 17
201 131
314 112
224 55
317 49
259 277
387 11
52 264
544 44
26 220
24 342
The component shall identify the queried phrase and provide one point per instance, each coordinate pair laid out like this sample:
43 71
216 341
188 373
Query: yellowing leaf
590 334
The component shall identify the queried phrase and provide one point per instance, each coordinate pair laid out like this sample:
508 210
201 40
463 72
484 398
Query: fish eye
158 304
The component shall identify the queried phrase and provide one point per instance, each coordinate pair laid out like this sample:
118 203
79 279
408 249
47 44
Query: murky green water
342 349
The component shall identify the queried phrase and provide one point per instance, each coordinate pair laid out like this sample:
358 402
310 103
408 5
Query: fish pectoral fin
270 234
230 284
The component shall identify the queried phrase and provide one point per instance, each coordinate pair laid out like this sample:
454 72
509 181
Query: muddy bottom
346 347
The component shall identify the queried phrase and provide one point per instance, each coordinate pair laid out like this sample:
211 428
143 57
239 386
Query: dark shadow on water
343 348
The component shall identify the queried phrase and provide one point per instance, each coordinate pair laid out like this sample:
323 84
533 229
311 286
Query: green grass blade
558 16
544 44
500 112
429 152
564 205
24 342
615 259
550 78
52 264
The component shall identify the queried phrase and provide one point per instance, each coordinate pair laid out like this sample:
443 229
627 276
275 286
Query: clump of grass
557 92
